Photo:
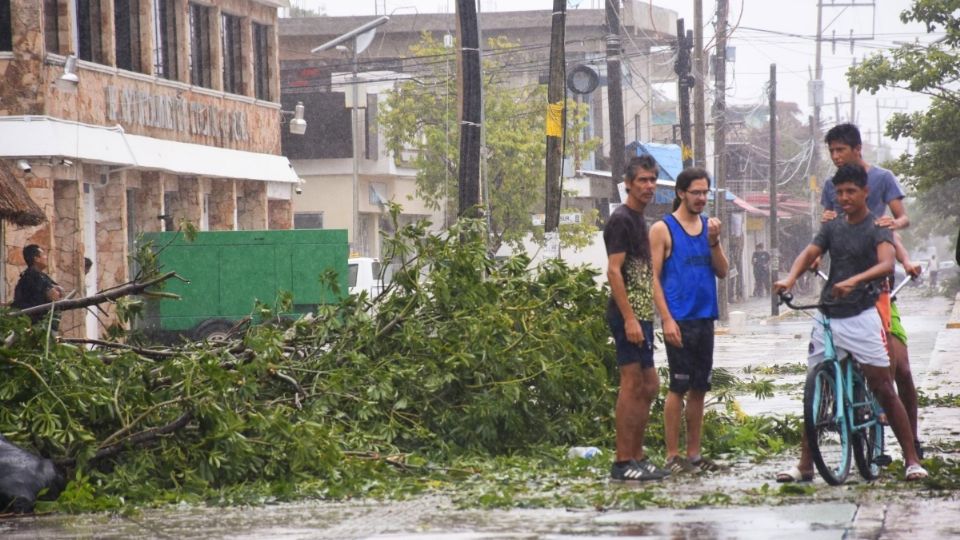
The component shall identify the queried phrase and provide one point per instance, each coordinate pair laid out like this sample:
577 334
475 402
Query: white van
364 275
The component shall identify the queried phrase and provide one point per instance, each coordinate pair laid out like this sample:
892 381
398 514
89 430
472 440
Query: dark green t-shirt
852 249
626 232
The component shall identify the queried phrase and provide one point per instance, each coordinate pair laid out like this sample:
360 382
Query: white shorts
860 336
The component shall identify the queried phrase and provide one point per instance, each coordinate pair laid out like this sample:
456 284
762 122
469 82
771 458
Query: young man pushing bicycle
862 254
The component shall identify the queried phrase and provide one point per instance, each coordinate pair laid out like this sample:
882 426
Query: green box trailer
228 271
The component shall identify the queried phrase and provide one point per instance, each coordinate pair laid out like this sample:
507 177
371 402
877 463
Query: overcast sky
760 37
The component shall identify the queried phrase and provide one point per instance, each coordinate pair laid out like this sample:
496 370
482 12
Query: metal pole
815 123
483 130
699 100
682 69
719 143
853 99
614 96
354 133
774 225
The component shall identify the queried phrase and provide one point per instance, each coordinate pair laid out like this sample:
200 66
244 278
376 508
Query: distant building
647 34
124 116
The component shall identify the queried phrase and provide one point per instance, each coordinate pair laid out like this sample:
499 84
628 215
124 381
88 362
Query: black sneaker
706 465
680 465
636 471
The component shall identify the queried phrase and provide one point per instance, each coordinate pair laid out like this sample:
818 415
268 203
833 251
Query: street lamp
359 39
68 80
298 126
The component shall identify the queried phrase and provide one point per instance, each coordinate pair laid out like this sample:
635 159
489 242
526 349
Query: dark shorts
691 367
630 353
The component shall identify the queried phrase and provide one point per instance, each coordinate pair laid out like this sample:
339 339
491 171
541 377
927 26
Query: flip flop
794 474
915 472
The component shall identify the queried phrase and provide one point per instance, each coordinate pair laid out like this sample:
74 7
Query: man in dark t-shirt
630 316
761 271
862 253
35 287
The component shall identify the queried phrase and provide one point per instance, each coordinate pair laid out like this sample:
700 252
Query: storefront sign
135 107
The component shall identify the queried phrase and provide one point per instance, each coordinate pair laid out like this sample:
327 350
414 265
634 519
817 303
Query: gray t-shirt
882 188
852 249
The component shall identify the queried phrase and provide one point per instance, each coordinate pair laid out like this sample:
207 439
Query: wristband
715 244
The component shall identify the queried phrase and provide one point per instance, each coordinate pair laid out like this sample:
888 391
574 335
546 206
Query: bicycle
841 416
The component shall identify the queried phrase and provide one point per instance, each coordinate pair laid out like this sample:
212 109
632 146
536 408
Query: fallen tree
461 354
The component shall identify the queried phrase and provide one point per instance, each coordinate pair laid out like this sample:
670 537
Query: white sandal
915 472
793 474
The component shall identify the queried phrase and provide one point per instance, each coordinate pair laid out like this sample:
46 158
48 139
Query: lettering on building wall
136 107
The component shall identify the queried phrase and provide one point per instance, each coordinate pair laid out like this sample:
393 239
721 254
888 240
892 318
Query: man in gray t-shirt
883 189
853 250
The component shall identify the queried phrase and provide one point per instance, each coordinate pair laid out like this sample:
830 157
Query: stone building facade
126 116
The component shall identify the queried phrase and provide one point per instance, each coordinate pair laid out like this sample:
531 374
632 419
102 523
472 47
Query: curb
954 321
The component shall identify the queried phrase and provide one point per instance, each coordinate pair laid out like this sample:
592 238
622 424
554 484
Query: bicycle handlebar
787 298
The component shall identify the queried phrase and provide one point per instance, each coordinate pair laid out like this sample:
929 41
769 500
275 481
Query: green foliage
463 354
420 125
777 369
931 69
936 400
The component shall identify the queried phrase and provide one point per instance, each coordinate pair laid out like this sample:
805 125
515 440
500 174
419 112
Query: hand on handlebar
912 269
843 288
782 288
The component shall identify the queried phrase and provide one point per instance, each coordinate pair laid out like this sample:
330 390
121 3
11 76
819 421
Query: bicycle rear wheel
827 435
867 440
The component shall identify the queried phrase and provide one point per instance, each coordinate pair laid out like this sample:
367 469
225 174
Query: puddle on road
808 521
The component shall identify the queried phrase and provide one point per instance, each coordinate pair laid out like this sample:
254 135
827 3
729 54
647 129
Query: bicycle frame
846 372
847 377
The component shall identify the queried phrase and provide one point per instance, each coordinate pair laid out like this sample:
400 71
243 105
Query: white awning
44 136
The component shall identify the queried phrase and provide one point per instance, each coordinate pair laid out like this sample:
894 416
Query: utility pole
816 93
699 104
468 174
719 143
853 99
614 96
774 225
684 80
555 118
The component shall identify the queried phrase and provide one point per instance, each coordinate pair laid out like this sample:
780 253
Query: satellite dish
364 40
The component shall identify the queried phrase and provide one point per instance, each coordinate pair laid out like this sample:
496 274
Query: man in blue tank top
687 258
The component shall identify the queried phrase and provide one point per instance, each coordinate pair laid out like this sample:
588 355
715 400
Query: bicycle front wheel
867 440
827 433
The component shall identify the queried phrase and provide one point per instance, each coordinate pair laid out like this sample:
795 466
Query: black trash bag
22 477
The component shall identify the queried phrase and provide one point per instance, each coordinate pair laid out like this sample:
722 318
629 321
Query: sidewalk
921 518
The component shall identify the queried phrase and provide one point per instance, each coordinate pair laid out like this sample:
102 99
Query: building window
261 61
6 26
232 55
89 31
127 21
51 25
165 35
200 61
308 220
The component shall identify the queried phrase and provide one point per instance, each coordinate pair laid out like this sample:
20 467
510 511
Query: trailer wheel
213 330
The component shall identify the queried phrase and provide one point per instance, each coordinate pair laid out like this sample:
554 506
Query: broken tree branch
124 290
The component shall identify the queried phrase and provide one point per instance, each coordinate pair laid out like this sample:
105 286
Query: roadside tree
932 69
420 123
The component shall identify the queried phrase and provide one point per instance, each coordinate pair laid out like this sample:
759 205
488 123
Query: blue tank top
689 284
